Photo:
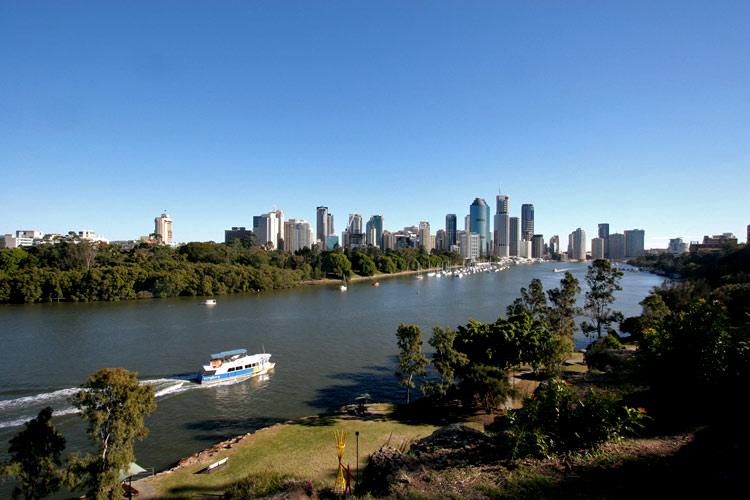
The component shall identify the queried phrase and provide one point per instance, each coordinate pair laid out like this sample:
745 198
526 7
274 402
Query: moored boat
235 364
209 302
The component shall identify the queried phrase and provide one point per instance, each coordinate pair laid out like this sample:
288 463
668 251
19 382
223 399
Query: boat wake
18 411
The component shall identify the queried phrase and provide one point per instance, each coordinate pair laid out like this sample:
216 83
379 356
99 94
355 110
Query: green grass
302 450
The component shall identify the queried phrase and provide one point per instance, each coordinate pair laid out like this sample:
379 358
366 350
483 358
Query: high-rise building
237 233
389 241
479 213
616 246
297 235
514 236
425 240
353 235
355 223
634 243
269 229
470 245
321 228
604 235
597 247
329 225
450 229
502 226
527 221
537 246
524 249
163 229
554 244
441 240
374 231
577 245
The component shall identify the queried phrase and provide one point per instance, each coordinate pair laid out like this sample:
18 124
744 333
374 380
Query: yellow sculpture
340 487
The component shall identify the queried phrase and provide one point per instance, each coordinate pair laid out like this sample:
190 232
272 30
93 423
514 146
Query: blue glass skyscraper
450 229
479 213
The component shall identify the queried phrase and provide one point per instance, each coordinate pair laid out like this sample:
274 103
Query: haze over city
635 114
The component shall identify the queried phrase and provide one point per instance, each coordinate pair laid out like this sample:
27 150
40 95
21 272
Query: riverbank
302 448
377 277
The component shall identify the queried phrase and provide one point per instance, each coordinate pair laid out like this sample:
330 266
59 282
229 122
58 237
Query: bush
256 485
556 420
606 354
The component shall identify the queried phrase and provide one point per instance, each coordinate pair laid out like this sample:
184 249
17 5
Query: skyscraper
425 240
634 242
616 246
514 236
554 244
353 235
450 229
297 235
577 244
269 229
321 228
527 221
502 226
374 231
479 213
597 247
537 246
604 235
163 229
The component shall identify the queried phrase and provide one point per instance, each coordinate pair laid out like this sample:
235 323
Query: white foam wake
18 411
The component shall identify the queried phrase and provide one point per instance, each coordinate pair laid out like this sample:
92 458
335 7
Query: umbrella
132 470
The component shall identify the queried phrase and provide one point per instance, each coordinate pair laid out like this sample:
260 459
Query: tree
337 264
114 404
561 316
563 310
411 361
695 352
35 453
445 360
11 259
603 280
531 300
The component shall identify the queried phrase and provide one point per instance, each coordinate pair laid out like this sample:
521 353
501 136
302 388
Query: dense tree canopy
79 271
35 455
114 405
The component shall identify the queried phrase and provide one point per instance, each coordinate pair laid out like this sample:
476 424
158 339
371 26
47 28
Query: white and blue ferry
235 364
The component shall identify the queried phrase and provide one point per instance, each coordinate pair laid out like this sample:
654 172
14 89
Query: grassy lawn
304 450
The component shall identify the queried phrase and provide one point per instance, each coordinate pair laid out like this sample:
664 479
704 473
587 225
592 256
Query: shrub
556 420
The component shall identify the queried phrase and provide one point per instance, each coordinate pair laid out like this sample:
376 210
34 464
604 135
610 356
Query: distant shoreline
328 281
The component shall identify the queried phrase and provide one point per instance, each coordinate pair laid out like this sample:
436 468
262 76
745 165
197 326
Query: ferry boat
235 364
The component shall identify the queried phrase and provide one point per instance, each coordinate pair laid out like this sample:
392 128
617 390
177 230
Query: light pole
357 435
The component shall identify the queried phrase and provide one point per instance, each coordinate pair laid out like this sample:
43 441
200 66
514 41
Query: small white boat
209 302
235 364
343 286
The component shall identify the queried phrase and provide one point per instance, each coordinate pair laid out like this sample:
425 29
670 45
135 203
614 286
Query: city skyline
621 114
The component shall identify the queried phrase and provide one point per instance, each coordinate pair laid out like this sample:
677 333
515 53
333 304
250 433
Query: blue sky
632 113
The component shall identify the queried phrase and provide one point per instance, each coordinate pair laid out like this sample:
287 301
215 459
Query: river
329 346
